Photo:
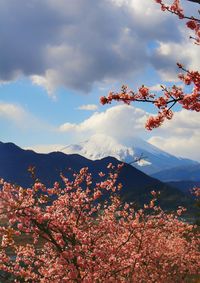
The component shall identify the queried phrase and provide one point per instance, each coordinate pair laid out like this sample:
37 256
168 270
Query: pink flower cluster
195 26
191 101
164 103
156 121
196 192
74 236
175 8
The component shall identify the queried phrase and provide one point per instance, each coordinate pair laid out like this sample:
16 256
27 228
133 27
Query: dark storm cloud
77 43
25 29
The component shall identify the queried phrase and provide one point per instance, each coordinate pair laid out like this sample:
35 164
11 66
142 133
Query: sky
58 57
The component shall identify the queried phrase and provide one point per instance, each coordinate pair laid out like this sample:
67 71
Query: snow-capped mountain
152 159
100 146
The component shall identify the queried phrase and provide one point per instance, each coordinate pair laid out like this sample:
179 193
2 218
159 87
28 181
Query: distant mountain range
179 173
136 185
153 158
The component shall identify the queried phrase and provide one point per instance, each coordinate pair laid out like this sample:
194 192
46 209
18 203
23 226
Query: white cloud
89 107
156 87
13 112
66 127
45 148
77 44
23 119
120 122
48 81
180 136
179 146
167 54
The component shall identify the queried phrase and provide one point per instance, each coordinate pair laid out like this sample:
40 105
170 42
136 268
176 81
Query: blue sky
58 57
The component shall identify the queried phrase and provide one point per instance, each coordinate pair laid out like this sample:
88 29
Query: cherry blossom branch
193 23
165 103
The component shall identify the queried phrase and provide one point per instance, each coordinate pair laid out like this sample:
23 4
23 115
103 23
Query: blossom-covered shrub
71 234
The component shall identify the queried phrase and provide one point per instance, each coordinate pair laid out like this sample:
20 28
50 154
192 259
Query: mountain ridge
153 158
136 184
179 173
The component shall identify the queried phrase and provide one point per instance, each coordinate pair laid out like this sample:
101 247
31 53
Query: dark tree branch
196 1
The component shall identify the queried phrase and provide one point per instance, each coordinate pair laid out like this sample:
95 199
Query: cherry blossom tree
72 235
81 232
172 95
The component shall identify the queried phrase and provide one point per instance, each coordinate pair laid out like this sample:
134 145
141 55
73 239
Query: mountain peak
100 146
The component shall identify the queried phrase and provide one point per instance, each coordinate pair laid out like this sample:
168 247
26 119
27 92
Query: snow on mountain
100 146
153 159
